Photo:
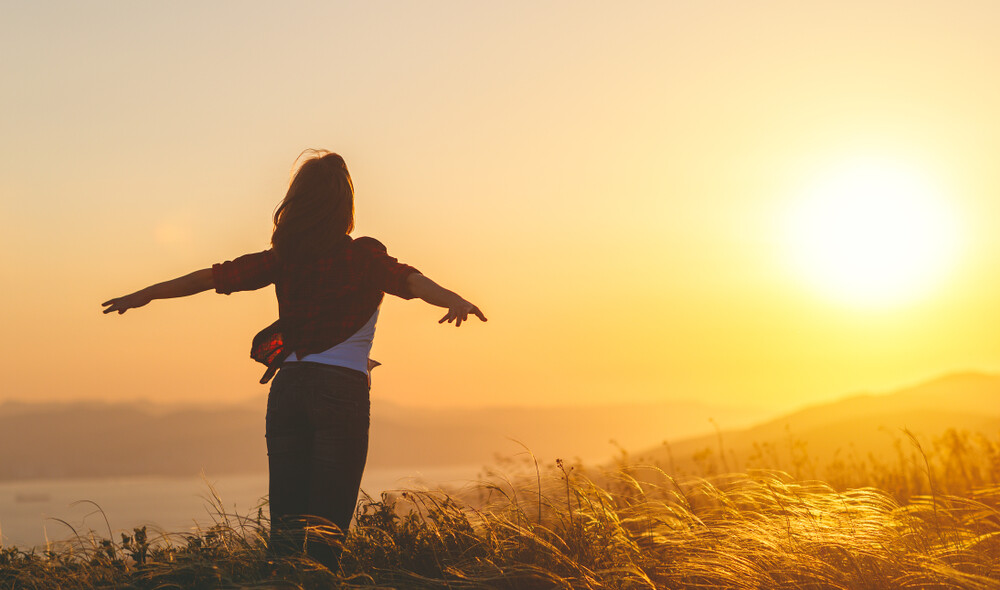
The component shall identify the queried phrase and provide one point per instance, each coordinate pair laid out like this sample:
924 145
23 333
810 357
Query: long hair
318 210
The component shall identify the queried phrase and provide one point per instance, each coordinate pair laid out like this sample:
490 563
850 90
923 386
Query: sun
873 232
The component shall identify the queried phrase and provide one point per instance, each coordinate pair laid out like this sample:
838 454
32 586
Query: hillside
854 428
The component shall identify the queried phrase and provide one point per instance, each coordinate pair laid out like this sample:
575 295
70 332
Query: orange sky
608 182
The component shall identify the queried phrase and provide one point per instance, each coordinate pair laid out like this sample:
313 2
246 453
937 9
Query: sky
615 184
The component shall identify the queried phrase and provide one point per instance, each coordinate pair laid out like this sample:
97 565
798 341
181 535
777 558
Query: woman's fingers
461 314
119 304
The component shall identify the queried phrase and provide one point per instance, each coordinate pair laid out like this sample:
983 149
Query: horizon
410 438
407 440
768 410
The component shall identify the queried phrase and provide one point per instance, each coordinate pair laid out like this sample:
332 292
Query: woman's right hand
459 312
433 293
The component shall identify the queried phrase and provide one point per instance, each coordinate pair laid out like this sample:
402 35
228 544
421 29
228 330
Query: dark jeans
317 444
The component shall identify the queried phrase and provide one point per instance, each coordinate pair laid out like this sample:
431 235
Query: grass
565 527
955 462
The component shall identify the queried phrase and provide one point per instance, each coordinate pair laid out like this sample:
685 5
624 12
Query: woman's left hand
121 304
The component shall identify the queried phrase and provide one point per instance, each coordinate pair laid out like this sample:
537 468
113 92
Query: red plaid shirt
321 302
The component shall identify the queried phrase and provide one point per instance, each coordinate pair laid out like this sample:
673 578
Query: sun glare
873 232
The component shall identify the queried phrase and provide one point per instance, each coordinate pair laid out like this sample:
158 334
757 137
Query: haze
606 180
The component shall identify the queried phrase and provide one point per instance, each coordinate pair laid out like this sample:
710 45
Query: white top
351 353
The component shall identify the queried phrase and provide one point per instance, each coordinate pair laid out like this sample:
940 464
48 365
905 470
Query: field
927 518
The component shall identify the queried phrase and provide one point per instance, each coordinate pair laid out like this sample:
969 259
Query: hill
862 427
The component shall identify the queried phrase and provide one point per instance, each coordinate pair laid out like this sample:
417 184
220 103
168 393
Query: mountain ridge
860 423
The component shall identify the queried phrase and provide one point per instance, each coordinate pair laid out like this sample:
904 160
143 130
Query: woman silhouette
329 289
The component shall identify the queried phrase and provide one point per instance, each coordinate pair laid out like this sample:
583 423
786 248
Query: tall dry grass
566 527
954 462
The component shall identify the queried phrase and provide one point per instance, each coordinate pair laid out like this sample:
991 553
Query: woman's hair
318 210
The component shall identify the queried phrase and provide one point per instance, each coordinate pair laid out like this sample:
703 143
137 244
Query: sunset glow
767 204
873 232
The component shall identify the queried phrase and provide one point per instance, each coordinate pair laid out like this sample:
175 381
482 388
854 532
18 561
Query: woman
329 288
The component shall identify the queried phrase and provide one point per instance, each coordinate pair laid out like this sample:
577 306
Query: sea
34 513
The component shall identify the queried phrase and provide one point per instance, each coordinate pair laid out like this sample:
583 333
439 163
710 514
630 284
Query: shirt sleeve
386 273
246 273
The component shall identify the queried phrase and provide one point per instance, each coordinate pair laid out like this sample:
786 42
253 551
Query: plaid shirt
321 302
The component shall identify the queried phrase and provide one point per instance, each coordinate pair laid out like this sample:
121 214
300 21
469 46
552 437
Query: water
29 509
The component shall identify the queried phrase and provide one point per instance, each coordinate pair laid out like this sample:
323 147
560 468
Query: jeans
317 444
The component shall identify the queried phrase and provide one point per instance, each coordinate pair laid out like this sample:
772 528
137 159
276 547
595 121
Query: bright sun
873 232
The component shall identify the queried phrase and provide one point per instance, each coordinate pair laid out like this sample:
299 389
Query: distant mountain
860 424
403 435
101 439
138 438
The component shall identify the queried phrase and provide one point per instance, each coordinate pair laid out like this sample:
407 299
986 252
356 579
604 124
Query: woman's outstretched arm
189 284
433 293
